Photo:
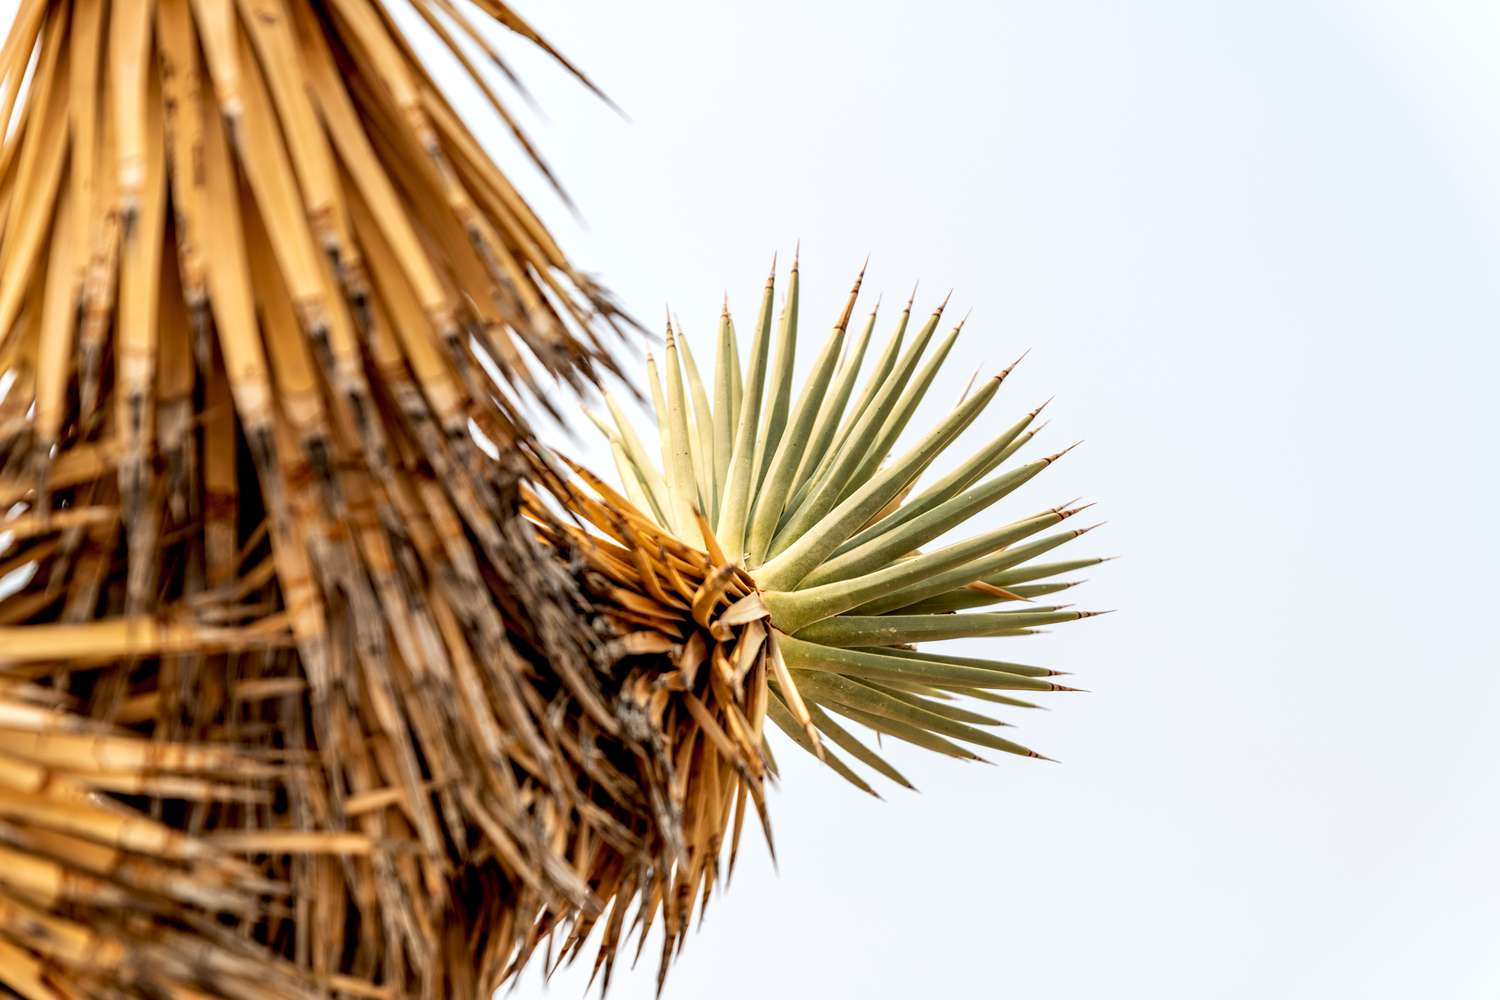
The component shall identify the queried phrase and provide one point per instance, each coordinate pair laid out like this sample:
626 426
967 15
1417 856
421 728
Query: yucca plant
810 499
319 676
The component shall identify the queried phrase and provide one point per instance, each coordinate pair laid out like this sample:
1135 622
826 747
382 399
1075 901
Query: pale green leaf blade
702 430
892 630
816 541
771 497
823 491
735 512
981 570
725 372
895 665
779 389
982 463
882 548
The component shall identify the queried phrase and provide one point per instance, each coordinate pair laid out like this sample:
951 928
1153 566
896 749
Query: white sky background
1254 250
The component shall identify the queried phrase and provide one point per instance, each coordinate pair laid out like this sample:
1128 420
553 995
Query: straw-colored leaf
290 683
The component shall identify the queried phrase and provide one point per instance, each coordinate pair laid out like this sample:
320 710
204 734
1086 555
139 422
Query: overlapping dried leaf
294 703
691 645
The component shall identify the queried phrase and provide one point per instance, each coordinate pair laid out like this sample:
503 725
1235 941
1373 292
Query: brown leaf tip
1016 362
1054 457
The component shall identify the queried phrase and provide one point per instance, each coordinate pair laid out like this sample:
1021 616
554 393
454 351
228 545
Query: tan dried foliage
293 703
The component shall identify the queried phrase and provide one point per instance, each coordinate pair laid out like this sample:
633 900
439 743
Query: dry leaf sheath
292 703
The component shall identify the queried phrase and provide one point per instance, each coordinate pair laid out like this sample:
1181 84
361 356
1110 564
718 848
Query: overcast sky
1253 248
